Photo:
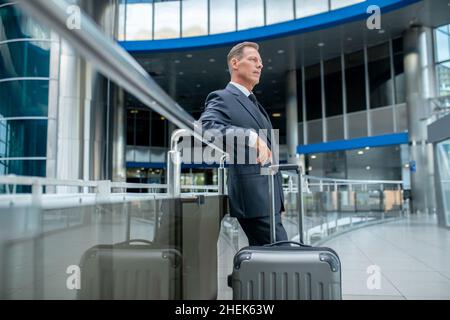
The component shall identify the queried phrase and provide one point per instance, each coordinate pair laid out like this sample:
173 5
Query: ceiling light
276 115
189 55
177 61
269 60
321 44
198 86
313 157
381 31
309 168
134 111
212 60
280 51
367 148
360 152
349 39
181 73
269 68
407 165
368 168
162 118
203 71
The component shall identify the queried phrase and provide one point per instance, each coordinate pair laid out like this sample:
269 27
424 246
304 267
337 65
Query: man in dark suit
235 109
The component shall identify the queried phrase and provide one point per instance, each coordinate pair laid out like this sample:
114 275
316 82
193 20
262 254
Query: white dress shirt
253 135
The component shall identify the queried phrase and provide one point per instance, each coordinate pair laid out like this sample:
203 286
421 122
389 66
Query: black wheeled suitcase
285 270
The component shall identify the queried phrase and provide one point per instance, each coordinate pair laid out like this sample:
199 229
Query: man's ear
233 63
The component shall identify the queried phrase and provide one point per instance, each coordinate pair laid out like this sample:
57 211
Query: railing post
300 202
173 173
221 175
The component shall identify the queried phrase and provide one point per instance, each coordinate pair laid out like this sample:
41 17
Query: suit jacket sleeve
217 115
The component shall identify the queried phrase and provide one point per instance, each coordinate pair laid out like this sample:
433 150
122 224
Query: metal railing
328 207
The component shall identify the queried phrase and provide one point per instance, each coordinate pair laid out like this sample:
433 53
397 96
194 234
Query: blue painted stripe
302 25
359 143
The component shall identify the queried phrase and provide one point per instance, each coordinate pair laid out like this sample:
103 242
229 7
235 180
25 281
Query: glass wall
305 8
194 18
146 128
164 19
24 85
442 49
167 19
222 16
250 14
380 83
382 163
279 11
355 81
443 159
385 86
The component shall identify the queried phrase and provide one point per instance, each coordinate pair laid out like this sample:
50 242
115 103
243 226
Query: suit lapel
246 103
251 108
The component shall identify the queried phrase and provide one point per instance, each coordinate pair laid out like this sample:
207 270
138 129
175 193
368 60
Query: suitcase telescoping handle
273 169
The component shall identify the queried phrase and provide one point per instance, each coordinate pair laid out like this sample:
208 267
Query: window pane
167 20
335 128
315 131
130 126
382 121
442 44
443 71
279 10
223 16
336 4
355 81
400 95
380 76
24 59
357 125
304 8
313 93
24 138
142 128
195 17
16 25
23 168
139 21
333 87
24 98
158 130
122 20
250 14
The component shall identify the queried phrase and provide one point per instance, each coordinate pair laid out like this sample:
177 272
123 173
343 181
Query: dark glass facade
24 85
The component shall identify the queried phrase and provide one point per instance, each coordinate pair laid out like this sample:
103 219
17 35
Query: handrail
348 181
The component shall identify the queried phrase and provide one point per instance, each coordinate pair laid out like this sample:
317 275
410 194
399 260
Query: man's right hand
264 154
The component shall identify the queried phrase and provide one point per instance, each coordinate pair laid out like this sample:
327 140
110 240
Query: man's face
248 68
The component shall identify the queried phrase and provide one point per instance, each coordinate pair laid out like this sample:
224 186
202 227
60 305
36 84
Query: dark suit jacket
229 110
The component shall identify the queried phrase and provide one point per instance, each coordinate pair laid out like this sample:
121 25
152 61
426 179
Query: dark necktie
252 97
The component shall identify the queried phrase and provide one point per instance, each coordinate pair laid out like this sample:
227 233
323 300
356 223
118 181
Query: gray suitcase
129 270
285 270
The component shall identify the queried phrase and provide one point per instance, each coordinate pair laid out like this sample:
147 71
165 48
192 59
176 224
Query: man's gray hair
238 50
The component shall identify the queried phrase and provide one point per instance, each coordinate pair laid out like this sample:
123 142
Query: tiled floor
411 256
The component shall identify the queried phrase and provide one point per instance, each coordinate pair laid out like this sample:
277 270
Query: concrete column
291 116
420 85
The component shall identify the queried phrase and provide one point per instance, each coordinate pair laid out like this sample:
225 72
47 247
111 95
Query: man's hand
263 152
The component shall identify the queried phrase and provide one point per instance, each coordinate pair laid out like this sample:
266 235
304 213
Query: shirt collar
243 89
